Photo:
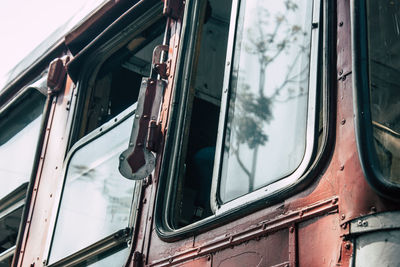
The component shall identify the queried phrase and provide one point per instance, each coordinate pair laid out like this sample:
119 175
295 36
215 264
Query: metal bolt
341 167
340 72
341 24
344 78
343 216
359 222
343 121
347 245
365 223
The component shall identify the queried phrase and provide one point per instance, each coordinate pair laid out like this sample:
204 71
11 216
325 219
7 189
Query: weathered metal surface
137 162
262 251
57 74
48 180
375 222
254 229
319 241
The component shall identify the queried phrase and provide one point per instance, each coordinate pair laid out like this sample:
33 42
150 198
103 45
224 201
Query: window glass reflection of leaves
269 82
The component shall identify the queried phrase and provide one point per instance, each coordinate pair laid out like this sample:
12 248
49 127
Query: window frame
277 186
361 105
244 205
91 65
116 239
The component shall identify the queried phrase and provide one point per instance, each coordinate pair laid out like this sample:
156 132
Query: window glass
9 226
97 199
18 137
265 136
384 83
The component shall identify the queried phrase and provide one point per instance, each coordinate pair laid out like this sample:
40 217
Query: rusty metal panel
343 38
268 250
163 250
319 242
48 180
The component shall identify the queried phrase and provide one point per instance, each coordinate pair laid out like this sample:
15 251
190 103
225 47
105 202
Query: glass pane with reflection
18 138
384 78
96 200
266 129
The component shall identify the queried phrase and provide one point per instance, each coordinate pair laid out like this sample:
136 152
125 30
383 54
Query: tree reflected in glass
265 137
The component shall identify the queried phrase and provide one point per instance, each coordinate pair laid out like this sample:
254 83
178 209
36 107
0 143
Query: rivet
342 167
365 223
291 229
347 245
343 121
144 201
343 216
341 24
359 222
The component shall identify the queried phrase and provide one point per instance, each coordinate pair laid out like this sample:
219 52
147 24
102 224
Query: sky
24 24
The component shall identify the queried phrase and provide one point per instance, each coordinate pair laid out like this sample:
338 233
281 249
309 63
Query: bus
206 133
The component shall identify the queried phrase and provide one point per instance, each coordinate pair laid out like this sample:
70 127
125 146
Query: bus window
265 135
97 205
377 62
20 124
248 113
20 130
384 66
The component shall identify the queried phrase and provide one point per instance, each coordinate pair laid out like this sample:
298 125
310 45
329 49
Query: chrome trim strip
375 222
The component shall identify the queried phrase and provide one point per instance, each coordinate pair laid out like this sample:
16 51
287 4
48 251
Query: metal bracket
138 161
57 74
157 66
375 222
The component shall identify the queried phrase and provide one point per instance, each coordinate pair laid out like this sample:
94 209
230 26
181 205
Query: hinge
57 74
173 8
153 136
159 67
